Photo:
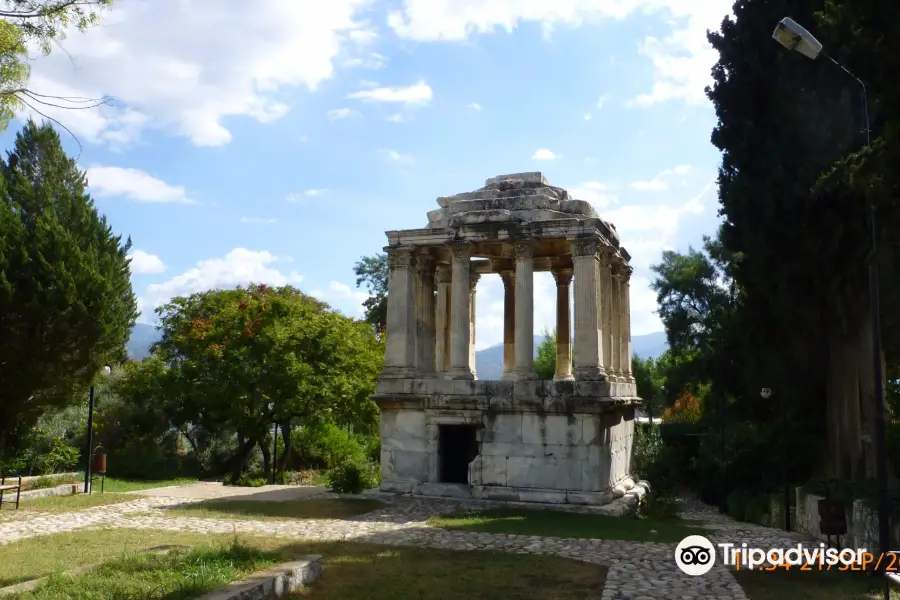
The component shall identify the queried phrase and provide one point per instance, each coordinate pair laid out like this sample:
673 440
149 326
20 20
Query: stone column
606 312
626 318
588 350
563 279
442 333
615 359
524 300
473 281
509 324
459 312
425 333
399 354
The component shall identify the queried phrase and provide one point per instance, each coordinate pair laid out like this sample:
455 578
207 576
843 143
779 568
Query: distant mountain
489 362
142 336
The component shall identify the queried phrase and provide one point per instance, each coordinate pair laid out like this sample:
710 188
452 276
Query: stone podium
446 433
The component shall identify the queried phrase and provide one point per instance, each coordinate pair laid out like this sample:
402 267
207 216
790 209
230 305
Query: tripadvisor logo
695 555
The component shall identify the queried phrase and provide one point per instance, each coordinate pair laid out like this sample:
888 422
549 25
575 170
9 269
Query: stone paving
637 570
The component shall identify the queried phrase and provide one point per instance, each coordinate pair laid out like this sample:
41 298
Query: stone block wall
862 523
578 455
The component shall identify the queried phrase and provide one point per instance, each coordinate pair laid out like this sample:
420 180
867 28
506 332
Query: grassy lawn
176 575
557 523
353 571
131 485
265 510
810 585
59 504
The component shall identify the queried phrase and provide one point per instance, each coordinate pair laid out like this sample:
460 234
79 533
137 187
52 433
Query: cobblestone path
637 570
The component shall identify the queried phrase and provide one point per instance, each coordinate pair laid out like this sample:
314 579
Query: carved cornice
607 255
585 246
399 256
461 251
563 277
523 249
473 280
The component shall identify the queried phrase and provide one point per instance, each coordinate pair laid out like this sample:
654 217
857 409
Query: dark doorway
457 447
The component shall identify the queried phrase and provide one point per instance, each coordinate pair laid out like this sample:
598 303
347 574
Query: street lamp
766 393
794 37
105 371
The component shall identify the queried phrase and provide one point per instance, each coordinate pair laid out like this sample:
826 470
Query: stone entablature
513 226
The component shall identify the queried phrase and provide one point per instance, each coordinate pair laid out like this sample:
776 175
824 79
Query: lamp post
766 393
90 434
274 451
794 37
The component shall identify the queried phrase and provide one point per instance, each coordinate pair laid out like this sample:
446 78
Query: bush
353 478
659 507
655 461
245 480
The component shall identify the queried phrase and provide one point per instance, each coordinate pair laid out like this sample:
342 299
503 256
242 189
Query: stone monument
446 433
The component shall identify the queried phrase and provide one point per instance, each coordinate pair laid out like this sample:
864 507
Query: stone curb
33 584
66 489
272 583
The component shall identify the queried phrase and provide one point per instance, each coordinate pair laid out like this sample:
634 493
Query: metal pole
274 451
784 463
90 442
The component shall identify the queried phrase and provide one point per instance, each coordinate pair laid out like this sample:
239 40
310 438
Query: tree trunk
235 464
267 457
285 456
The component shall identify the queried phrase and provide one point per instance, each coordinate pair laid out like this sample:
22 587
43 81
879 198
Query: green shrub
245 480
659 507
353 478
654 461
736 505
59 457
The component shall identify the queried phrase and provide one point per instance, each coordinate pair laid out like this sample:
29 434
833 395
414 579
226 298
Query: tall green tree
66 303
243 359
372 272
40 23
545 359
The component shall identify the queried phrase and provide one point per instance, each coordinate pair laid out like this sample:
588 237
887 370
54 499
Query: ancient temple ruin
446 433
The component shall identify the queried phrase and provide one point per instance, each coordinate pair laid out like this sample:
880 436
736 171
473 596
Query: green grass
811 585
133 485
179 574
355 571
373 572
555 523
59 504
266 510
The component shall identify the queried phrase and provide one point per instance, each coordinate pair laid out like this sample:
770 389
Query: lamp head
106 370
794 37
766 393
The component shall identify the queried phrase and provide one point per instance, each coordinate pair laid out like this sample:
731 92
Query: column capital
461 251
607 255
425 262
473 280
399 256
584 246
508 276
563 277
523 249
442 273
626 274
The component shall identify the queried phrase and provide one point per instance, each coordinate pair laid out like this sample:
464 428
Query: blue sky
276 141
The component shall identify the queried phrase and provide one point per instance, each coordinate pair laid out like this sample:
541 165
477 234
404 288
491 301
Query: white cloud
256 220
681 61
238 267
370 61
475 106
417 93
341 113
397 118
310 193
186 69
661 181
343 297
394 156
133 184
601 101
588 117
542 154
592 192
144 263
315 192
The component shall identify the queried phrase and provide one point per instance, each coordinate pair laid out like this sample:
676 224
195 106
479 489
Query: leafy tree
650 382
40 23
66 303
373 271
545 361
244 359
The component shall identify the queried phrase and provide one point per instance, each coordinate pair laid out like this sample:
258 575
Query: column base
590 374
568 377
460 373
508 376
523 376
